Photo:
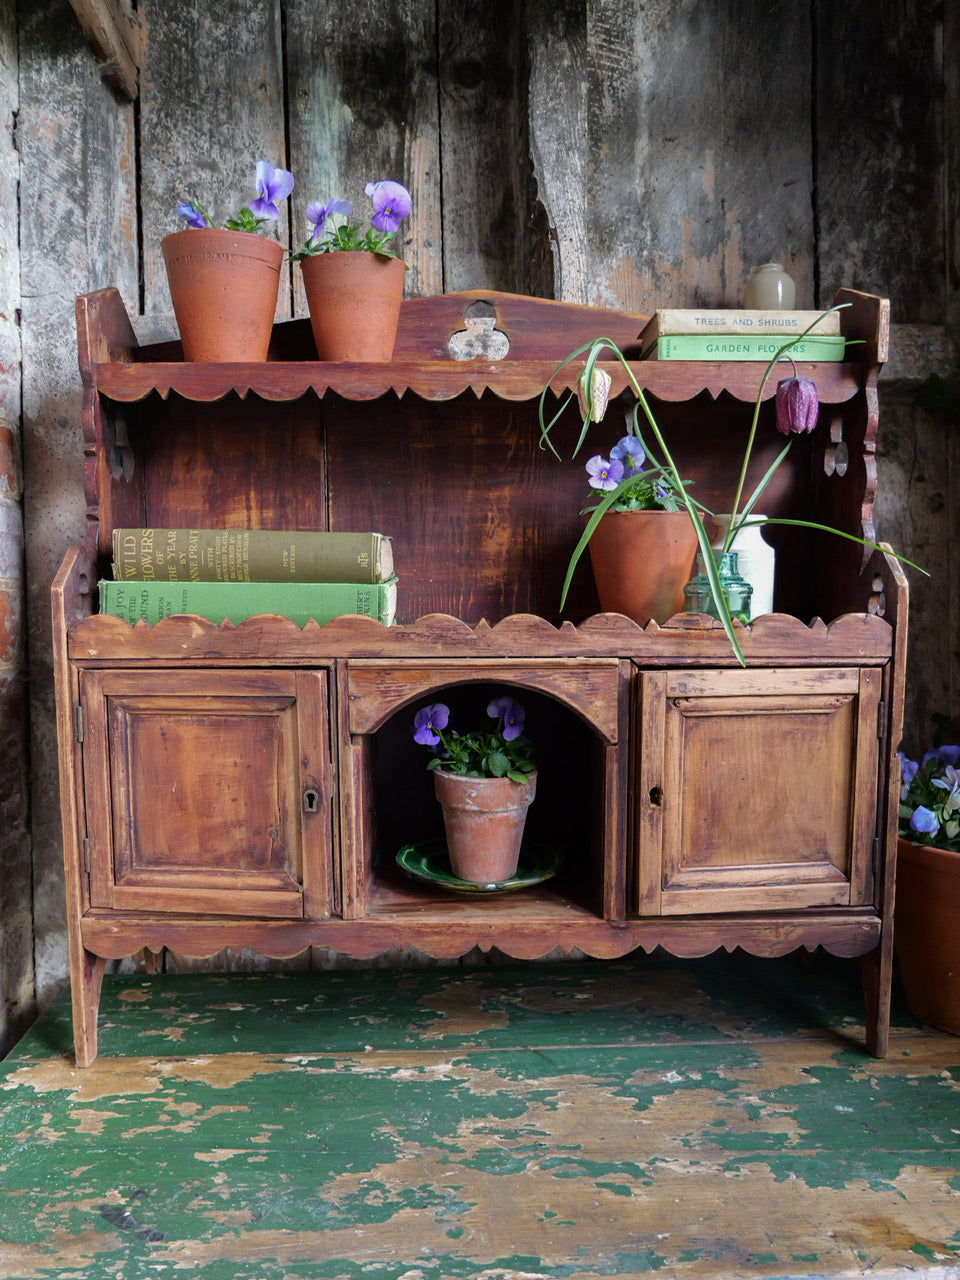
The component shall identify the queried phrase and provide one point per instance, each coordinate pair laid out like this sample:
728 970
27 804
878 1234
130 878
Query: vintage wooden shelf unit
250 785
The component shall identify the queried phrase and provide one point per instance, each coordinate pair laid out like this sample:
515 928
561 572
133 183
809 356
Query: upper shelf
504 343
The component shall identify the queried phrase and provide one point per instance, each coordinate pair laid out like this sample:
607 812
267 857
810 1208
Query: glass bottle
698 598
770 288
755 559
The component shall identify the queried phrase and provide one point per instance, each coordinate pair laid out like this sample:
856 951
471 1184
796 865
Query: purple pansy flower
317 214
391 203
604 473
908 768
191 215
511 713
797 406
923 820
630 452
428 722
272 185
908 771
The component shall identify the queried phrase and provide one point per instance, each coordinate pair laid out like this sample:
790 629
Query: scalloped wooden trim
438 380
439 938
685 638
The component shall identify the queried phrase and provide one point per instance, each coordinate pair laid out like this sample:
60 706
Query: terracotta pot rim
206 232
928 853
469 777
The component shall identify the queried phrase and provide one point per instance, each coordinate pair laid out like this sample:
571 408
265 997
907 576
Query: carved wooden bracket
114 33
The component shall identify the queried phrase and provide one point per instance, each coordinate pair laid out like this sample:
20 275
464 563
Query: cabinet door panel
757 790
207 792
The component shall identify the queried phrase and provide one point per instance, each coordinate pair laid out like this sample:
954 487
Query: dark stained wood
800 843
214 775
526 927
686 639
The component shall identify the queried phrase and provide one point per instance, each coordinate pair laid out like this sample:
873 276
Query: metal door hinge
78 716
85 848
881 718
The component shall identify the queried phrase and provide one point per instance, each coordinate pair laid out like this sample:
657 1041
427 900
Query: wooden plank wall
630 153
16 926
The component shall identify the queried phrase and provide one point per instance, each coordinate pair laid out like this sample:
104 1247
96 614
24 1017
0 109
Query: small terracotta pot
483 819
641 562
927 932
224 286
354 299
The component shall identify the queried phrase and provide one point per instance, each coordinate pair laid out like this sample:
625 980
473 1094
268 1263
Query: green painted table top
712 1118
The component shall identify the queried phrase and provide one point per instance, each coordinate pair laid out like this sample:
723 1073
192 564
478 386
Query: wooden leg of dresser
876 971
85 985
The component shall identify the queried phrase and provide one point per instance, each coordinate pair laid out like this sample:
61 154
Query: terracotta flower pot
354 299
224 286
641 562
483 819
927 932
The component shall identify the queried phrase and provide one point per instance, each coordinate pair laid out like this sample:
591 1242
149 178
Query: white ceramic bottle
770 288
755 559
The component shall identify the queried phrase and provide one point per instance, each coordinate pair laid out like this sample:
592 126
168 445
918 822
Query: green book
217 601
251 555
736 346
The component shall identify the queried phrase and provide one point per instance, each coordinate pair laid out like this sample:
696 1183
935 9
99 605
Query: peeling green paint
514 1122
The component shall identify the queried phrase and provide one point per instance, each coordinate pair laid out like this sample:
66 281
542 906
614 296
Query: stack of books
234 574
680 334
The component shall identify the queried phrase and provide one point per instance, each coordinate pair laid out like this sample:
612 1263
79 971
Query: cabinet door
208 792
757 790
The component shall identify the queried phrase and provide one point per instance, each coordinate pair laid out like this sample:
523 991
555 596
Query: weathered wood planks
737 127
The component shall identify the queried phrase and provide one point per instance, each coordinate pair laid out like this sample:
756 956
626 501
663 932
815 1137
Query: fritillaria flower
604 473
317 214
272 185
593 397
391 203
797 405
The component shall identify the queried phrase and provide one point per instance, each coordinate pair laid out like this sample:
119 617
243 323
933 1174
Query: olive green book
251 555
218 601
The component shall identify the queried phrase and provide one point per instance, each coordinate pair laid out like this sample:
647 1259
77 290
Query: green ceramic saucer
428 861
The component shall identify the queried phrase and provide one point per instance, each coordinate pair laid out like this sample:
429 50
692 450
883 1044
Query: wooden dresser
250 786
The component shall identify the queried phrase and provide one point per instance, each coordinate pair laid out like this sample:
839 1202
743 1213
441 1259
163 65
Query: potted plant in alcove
717 588
352 278
485 781
927 913
224 281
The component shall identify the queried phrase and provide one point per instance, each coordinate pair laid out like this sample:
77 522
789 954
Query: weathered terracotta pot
641 562
354 299
224 286
927 932
483 819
